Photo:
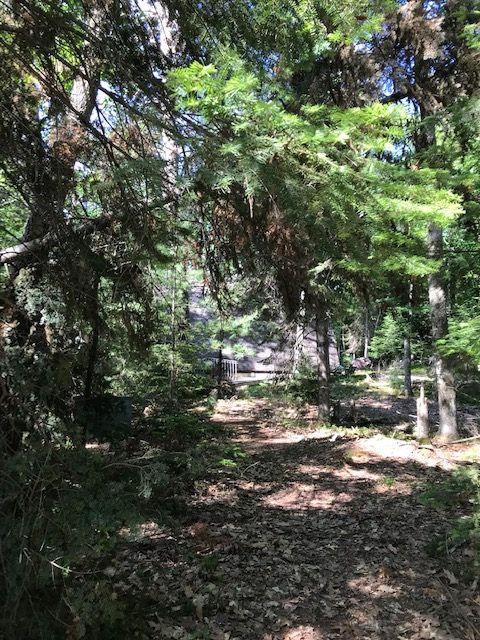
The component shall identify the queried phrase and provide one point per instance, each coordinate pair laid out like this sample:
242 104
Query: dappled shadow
304 542
398 411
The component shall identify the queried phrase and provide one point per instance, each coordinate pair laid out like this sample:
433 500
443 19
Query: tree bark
430 102
438 313
367 334
92 353
299 335
407 346
44 181
323 366
219 374
407 365
173 336
423 423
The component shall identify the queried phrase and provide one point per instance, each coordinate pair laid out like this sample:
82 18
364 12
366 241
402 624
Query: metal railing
229 368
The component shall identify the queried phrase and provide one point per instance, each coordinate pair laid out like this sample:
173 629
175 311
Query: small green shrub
210 564
96 611
387 343
257 390
183 430
396 379
460 494
230 455
65 509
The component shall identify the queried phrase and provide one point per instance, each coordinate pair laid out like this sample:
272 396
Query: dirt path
314 537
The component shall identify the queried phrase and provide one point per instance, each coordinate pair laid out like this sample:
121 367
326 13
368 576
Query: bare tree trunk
173 336
407 365
93 350
367 334
92 353
323 366
219 374
438 313
407 346
333 348
423 423
299 335
338 340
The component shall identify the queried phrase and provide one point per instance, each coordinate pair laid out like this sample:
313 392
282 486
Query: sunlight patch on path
305 496
314 536
382 447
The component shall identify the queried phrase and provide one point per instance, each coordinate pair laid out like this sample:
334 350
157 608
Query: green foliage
257 390
181 431
231 456
460 494
95 609
210 564
387 343
64 509
302 387
350 216
149 375
396 379
389 481
60 505
462 338
289 173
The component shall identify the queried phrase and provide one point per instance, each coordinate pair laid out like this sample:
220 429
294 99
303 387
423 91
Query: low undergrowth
64 510
460 497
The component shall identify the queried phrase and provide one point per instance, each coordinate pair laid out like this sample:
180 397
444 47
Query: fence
229 368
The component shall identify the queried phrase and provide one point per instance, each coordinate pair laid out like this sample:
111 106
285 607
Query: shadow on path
306 542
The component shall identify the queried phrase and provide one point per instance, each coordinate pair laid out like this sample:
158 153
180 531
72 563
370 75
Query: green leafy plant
460 494
387 343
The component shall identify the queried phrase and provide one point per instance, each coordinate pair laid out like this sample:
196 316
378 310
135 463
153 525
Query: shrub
387 343
460 493
60 506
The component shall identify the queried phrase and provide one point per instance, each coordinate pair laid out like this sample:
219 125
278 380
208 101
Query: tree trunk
367 335
46 181
323 366
343 355
407 365
219 374
92 353
173 335
438 313
334 349
407 346
423 423
93 350
299 335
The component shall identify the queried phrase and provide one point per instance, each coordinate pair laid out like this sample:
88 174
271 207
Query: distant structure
265 357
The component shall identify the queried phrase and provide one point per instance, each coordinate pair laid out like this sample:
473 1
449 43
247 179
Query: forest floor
313 534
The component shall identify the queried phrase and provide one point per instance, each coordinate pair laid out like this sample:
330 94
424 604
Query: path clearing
314 538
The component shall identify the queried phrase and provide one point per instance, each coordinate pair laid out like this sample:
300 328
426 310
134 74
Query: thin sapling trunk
323 366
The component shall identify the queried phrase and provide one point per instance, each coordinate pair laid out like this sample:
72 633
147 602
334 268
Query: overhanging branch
18 251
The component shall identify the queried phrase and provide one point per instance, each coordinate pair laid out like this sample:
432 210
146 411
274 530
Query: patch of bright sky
160 13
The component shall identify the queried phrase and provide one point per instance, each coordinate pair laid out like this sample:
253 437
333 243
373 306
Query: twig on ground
254 464
451 595
446 444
